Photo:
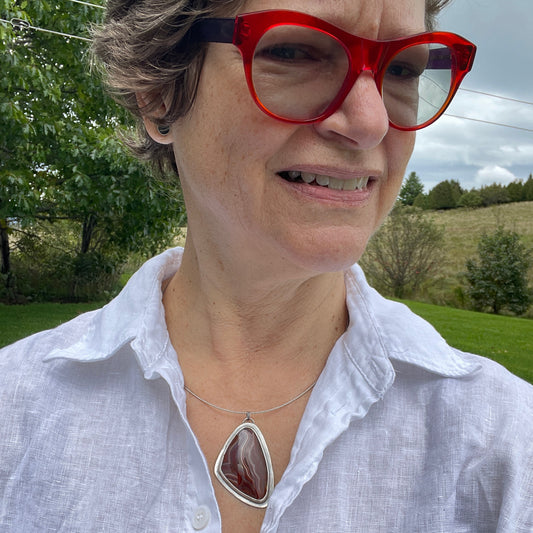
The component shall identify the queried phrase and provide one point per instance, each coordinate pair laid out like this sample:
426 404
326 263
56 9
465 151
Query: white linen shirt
401 433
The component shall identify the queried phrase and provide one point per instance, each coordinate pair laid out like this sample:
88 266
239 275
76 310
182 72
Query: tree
470 199
497 279
445 195
494 194
59 157
404 252
422 201
528 189
515 191
411 188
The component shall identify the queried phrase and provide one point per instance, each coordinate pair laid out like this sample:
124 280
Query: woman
253 381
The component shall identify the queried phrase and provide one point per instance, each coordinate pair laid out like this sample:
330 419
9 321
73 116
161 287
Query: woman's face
233 159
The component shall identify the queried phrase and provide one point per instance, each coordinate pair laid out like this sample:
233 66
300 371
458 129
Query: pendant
244 466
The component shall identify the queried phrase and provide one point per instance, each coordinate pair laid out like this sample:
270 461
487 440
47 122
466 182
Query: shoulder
498 398
39 368
22 361
29 385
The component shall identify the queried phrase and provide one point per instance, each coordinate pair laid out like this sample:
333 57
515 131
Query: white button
201 517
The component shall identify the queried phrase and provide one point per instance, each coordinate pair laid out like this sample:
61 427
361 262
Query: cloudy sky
471 152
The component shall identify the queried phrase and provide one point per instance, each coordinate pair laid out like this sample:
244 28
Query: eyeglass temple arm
440 58
214 30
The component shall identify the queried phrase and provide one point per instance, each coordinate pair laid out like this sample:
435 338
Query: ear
155 108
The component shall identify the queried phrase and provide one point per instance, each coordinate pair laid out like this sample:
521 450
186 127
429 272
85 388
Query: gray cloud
471 152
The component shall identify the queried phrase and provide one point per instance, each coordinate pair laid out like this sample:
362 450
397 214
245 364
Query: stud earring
163 130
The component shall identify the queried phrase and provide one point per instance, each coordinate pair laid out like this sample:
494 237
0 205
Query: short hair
142 48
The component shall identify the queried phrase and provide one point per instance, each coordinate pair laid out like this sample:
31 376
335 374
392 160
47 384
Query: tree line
449 194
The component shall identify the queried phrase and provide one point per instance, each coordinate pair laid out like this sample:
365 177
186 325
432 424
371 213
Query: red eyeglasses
300 68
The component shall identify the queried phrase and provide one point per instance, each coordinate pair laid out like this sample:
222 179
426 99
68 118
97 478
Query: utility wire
489 122
495 96
24 24
87 4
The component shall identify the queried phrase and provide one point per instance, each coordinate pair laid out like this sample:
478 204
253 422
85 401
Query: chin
329 253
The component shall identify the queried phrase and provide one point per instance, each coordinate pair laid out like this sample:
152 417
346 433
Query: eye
405 71
288 53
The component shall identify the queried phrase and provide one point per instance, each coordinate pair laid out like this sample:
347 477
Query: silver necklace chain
249 413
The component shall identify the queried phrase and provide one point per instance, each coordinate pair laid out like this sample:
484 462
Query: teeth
331 183
336 184
308 178
322 180
361 183
351 185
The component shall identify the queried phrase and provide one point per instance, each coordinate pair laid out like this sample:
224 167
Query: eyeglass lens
297 72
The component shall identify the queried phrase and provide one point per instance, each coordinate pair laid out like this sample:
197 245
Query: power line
19 24
87 4
489 122
496 96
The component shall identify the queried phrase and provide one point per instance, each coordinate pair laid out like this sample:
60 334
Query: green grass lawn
505 339
17 321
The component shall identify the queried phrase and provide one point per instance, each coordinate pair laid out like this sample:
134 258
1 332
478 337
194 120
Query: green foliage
421 201
445 195
404 252
528 189
449 194
494 194
48 266
516 191
470 199
497 280
59 155
411 188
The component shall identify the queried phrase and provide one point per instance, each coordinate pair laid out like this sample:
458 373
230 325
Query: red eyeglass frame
245 31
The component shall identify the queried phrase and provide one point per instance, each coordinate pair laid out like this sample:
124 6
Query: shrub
470 199
494 194
445 195
404 252
48 267
497 279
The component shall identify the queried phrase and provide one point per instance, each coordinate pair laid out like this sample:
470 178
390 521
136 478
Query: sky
474 153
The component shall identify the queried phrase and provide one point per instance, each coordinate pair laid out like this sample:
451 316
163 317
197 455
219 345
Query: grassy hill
463 228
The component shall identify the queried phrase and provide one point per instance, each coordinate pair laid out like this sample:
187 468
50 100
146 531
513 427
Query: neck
234 324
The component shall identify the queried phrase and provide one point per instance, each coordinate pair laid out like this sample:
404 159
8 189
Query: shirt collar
379 329
136 317
394 331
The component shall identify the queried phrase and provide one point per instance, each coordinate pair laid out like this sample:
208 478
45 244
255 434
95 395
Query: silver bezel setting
263 502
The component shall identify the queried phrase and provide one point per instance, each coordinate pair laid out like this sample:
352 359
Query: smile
326 181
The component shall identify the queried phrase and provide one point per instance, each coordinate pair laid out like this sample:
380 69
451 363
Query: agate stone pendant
244 466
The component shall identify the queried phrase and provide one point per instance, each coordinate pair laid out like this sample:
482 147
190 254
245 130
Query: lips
350 184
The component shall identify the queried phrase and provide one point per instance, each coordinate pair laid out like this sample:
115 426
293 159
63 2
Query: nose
361 121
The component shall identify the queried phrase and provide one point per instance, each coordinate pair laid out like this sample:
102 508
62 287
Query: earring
163 130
